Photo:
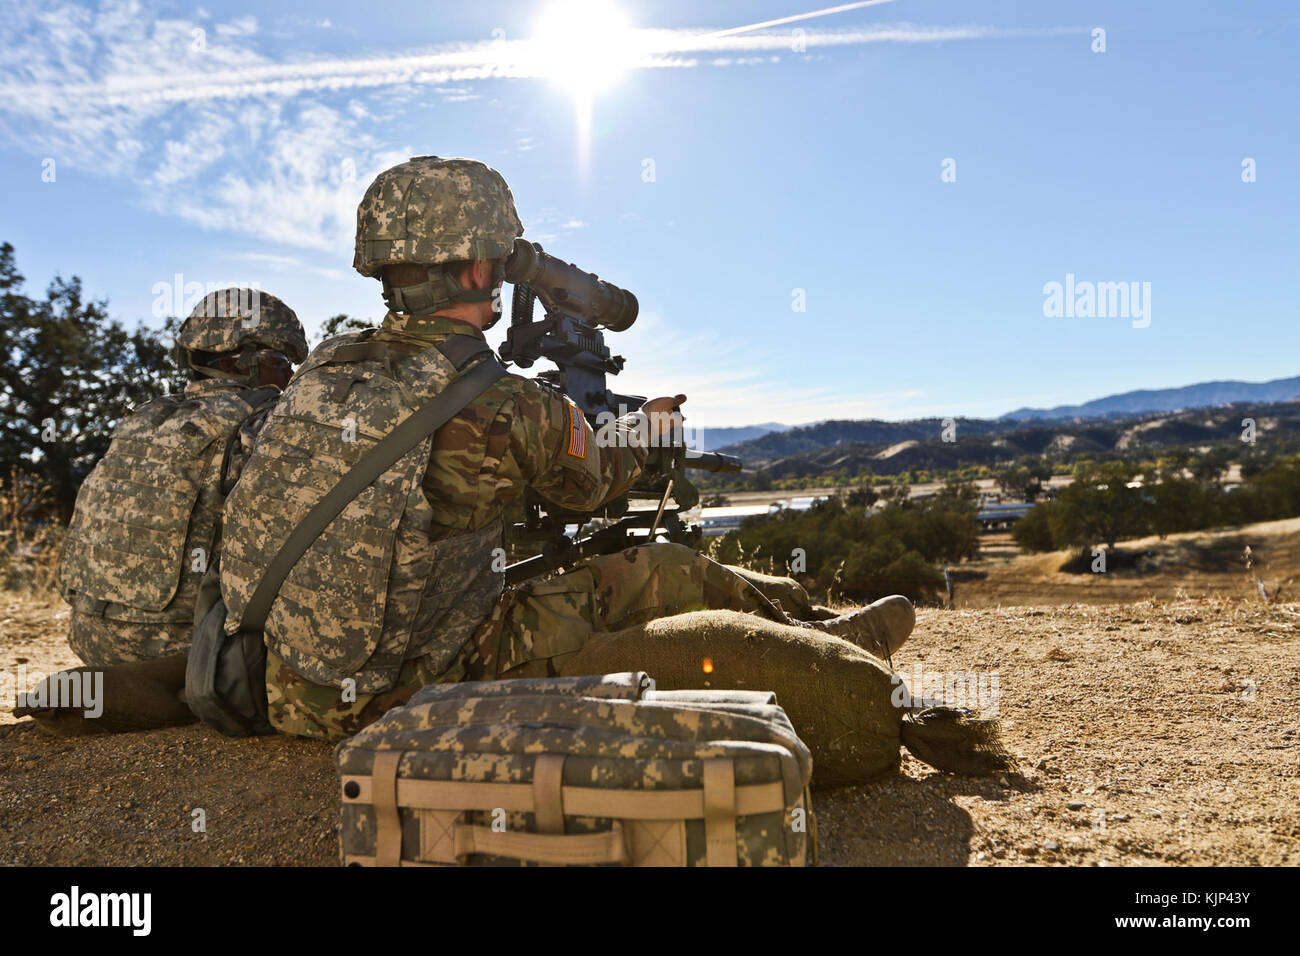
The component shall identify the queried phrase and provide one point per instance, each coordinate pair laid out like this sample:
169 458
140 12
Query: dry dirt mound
1153 733
1193 565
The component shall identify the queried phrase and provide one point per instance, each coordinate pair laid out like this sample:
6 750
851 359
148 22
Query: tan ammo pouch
577 771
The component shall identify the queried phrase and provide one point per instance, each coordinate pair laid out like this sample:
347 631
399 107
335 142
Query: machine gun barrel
713 461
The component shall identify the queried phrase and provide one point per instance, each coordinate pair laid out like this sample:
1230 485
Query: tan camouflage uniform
139 605
405 586
147 521
517 434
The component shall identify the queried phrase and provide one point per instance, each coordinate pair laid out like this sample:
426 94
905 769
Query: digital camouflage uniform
405 587
518 433
147 519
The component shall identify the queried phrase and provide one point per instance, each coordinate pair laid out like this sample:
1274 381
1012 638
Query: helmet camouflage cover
230 320
431 210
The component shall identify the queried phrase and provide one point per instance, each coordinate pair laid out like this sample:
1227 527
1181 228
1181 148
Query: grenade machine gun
577 306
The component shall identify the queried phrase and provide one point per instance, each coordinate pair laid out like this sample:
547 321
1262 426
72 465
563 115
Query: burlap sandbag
839 698
836 694
956 741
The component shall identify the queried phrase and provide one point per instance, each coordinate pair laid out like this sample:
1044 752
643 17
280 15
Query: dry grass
1199 564
30 538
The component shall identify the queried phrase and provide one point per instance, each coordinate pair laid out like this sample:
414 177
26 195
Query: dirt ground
1181 566
1152 733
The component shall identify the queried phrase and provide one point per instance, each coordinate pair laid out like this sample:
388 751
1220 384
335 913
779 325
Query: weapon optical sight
563 286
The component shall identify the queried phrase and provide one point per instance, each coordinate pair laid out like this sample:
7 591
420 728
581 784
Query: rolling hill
890 448
1203 395
711 439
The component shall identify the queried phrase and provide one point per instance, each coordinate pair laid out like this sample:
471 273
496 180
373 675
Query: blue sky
782 161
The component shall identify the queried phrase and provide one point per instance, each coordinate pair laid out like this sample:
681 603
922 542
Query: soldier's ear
481 273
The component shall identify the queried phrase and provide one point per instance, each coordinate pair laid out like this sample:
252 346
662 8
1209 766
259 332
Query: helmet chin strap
216 373
439 290
249 374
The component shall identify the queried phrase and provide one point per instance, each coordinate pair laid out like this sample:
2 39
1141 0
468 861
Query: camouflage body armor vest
148 516
373 590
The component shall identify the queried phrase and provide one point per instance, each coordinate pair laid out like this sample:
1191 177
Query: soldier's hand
664 419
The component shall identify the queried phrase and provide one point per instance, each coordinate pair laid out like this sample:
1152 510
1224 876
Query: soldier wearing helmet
405 586
147 518
241 335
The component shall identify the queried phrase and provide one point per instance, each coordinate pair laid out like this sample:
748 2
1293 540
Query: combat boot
120 698
879 628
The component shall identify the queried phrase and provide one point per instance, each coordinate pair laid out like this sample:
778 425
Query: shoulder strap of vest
425 420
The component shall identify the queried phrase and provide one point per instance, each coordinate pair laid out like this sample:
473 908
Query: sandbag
837 696
954 740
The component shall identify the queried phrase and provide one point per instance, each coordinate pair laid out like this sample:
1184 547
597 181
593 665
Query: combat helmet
430 211
238 321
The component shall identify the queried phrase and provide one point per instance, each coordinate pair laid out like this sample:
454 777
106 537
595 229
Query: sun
584 46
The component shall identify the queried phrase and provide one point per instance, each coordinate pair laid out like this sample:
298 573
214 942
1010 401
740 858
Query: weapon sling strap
461 351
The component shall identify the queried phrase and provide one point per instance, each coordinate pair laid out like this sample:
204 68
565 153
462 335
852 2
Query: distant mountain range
869 431
889 448
1204 395
711 439
772 440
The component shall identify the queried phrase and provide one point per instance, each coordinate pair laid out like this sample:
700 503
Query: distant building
715 521
1001 517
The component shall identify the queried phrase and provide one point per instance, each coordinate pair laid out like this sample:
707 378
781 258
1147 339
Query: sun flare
585 46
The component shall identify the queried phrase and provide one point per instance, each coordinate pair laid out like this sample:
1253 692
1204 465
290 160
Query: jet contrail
842 8
461 62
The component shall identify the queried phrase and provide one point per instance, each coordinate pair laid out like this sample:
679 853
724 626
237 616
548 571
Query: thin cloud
673 358
184 75
214 131
281 264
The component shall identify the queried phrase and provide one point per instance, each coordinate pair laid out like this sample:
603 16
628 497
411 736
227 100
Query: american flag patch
577 432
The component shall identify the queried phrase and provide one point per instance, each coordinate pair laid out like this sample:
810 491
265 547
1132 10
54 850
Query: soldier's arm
561 456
